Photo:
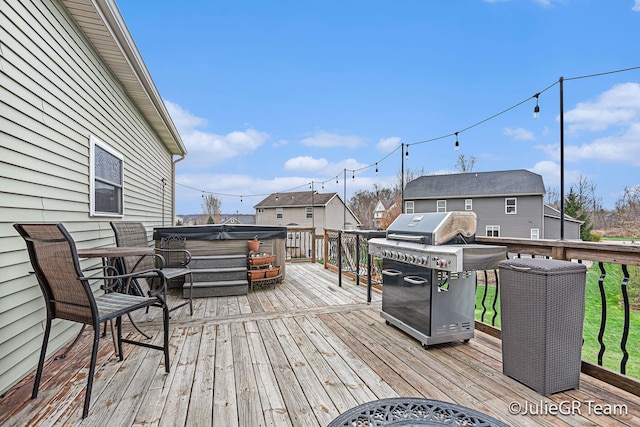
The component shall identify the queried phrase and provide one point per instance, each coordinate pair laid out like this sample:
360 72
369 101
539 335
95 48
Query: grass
615 317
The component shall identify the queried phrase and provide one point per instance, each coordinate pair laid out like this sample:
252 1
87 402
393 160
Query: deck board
296 355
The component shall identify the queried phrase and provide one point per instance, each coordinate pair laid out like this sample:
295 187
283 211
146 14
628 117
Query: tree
465 165
628 208
212 206
391 214
573 206
552 197
363 204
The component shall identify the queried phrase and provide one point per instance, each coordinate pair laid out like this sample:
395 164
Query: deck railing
347 253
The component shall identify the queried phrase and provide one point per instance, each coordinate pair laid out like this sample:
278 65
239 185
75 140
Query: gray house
306 209
507 203
85 139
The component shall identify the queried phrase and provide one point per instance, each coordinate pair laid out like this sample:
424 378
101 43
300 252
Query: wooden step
217 289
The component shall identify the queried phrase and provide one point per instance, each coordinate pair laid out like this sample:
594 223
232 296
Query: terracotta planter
256 274
254 245
272 272
262 260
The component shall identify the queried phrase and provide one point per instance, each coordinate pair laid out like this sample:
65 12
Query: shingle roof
497 183
300 198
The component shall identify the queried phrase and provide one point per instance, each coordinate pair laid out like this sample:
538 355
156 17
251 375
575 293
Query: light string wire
456 134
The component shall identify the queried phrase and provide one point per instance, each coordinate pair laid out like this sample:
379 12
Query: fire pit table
413 412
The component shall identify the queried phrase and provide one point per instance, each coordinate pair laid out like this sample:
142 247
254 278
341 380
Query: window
510 206
106 170
309 211
535 233
493 231
278 212
468 204
408 207
441 206
260 210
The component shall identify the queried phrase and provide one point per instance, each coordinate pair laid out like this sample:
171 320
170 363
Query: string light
536 112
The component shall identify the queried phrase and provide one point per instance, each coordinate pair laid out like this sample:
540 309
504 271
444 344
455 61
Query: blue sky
270 96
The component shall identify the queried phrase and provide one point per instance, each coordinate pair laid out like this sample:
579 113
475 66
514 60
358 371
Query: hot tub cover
222 232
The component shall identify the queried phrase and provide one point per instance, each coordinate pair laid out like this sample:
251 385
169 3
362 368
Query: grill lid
434 228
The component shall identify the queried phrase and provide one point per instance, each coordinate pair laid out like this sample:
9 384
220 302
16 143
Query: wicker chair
172 260
68 294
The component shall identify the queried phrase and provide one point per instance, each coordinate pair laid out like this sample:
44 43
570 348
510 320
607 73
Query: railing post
368 273
339 258
357 259
325 246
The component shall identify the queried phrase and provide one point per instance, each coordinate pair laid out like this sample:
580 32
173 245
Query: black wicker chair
68 294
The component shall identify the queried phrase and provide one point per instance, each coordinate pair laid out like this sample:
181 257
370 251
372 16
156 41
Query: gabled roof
476 184
102 23
297 199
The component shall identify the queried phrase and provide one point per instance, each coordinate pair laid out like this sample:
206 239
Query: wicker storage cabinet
542 307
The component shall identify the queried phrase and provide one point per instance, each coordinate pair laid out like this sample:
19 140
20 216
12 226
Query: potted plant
254 245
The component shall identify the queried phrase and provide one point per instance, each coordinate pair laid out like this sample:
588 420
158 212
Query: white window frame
468 204
308 212
409 207
507 206
93 142
441 206
491 229
535 233
279 213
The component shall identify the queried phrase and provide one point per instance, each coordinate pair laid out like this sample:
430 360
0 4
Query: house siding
491 211
55 91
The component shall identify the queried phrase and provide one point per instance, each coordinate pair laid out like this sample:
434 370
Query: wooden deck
298 355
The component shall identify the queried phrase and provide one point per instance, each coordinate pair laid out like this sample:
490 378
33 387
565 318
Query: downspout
173 189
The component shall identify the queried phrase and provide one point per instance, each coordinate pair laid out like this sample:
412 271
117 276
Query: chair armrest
186 254
119 280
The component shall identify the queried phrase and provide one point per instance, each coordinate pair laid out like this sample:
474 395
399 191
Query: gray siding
55 92
491 211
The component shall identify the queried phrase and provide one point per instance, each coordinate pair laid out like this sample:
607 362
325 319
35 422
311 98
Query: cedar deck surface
297 355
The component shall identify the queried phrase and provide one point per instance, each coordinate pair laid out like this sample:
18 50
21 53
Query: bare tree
628 208
552 197
212 207
465 165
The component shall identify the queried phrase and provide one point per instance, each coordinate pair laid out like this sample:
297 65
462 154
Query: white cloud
388 144
321 166
327 140
636 6
207 148
518 133
618 105
624 148
305 164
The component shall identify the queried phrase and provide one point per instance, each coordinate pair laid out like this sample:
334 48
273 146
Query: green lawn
615 318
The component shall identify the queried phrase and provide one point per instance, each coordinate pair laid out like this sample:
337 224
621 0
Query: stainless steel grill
428 266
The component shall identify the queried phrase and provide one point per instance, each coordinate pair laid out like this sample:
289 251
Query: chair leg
165 316
190 294
92 369
119 335
43 354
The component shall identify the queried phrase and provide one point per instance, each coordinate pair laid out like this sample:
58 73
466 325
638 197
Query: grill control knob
410 258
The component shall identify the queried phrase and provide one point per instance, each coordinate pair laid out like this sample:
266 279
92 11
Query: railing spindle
625 329
603 317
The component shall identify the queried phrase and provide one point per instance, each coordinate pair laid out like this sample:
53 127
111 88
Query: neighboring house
507 203
306 209
85 139
238 219
379 210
